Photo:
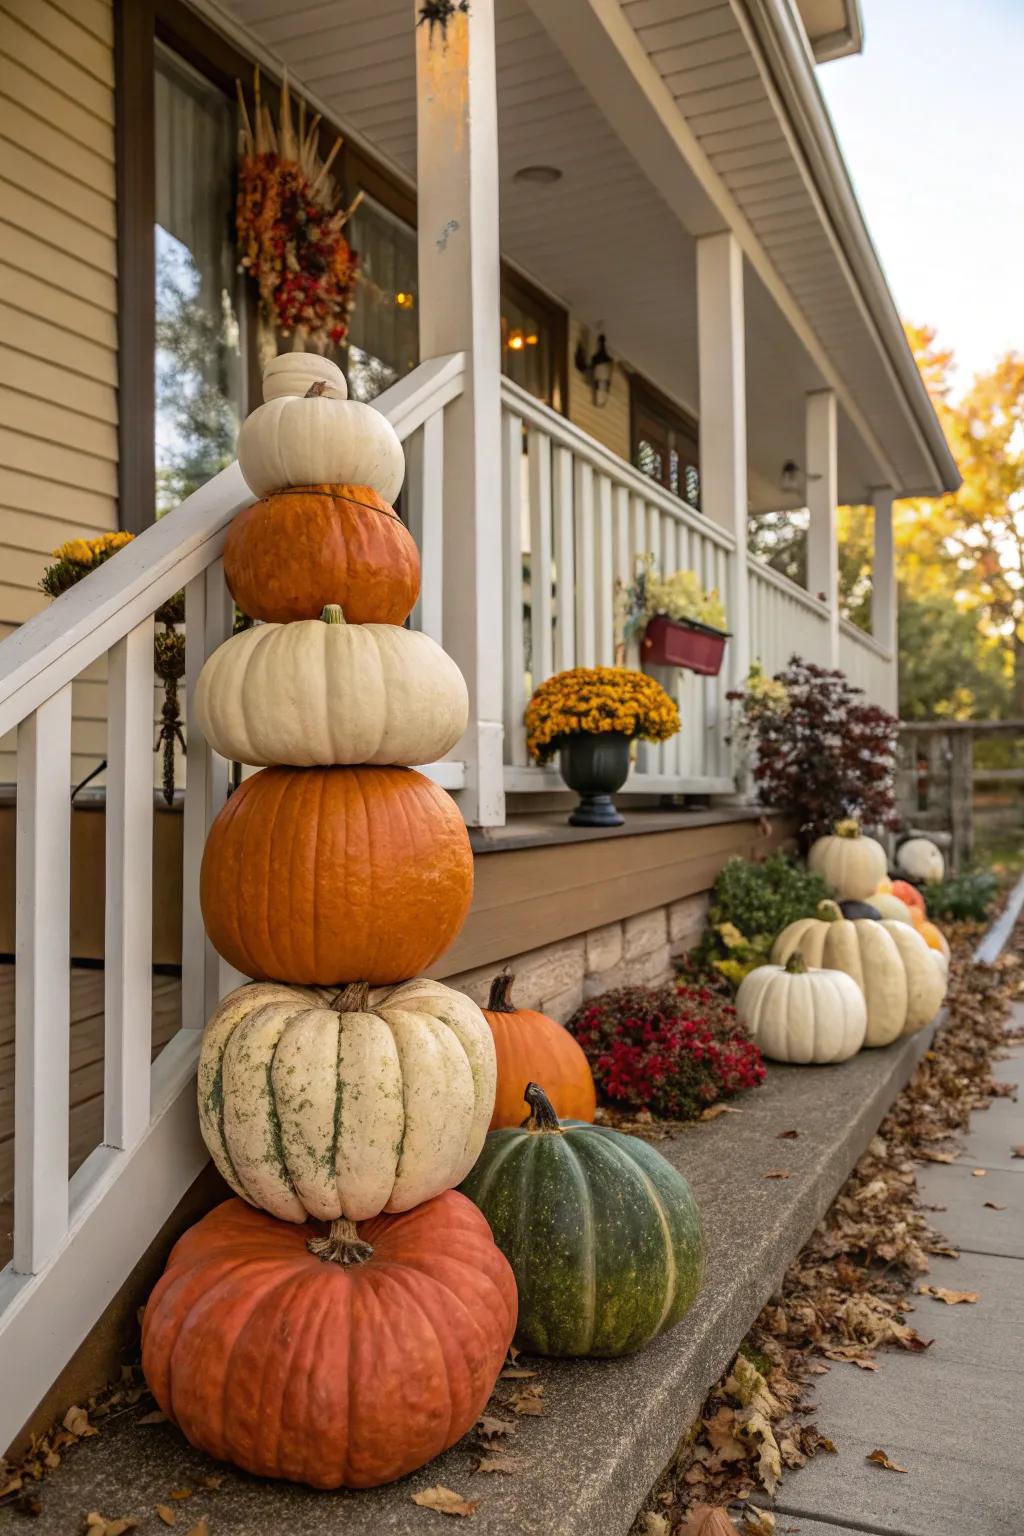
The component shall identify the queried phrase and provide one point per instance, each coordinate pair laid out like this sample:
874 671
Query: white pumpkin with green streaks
342 1106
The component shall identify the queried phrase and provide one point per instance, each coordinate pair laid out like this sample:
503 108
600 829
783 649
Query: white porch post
459 273
884 593
723 421
822 460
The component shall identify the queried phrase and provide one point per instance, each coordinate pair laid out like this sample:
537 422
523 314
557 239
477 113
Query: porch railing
869 665
76 1239
785 620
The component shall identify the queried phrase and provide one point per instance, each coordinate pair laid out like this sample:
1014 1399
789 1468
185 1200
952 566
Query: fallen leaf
529 1401
444 1501
212 1480
929 1156
497 1461
156 1417
180 1493
788 1136
167 1514
201 1528
11 1486
881 1460
703 1520
516 1373
951 1298
759 1522
979 1173
488 1426
990 1205
76 1422
97 1525
655 1524
775 1173
714 1110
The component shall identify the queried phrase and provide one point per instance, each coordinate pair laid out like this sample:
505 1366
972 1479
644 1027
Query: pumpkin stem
829 912
316 390
796 965
333 614
352 999
342 1245
500 1000
542 1115
848 828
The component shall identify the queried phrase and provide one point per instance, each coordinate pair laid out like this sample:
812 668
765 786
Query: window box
683 643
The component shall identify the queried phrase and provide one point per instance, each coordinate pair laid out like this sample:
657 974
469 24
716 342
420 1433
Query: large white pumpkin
345 1107
320 691
852 864
294 373
927 972
799 1015
919 858
314 440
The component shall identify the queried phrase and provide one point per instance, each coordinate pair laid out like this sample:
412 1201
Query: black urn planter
595 765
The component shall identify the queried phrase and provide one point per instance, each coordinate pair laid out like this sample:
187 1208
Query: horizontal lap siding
58 315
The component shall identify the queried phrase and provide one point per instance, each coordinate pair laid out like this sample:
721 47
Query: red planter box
671 643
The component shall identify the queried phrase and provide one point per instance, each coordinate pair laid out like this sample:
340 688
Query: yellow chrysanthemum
598 700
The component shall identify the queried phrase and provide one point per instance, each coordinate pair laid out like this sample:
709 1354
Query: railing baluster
605 616
512 554
128 942
565 560
425 492
42 988
208 620
585 625
539 465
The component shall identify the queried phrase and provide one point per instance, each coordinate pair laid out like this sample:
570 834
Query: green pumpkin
603 1235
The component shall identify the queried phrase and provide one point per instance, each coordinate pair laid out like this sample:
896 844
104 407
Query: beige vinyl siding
58 312
609 423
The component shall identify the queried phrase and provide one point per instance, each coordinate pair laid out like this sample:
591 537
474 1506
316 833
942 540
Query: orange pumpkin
933 937
344 1362
908 894
318 875
291 555
531 1047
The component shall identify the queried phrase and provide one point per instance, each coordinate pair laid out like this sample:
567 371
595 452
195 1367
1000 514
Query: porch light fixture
538 175
596 369
793 479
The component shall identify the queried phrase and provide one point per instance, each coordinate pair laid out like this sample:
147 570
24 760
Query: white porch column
723 422
822 470
884 591
459 274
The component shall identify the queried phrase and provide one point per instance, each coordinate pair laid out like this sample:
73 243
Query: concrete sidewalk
952 1417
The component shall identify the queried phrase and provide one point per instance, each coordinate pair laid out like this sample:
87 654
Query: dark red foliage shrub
827 754
672 1050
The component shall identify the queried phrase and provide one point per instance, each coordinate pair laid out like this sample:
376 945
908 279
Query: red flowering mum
672 1050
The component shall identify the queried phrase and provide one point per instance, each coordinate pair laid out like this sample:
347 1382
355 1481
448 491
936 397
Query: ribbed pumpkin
289 556
529 1045
907 893
849 862
345 1104
296 1364
603 1235
318 439
322 691
800 1015
323 875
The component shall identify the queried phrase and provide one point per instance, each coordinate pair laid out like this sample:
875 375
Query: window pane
527 349
199 372
383 341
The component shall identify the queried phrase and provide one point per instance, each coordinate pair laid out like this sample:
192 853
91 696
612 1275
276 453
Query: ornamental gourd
799 1015
316 440
322 691
324 875
287 557
294 374
603 1235
889 906
272 1352
852 864
919 858
347 1105
529 1045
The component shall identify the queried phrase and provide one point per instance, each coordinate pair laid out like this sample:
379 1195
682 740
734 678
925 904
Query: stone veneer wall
559 977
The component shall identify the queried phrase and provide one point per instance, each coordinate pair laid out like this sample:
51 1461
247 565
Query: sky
930 121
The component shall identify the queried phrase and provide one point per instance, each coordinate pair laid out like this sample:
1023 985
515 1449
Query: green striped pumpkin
603 1235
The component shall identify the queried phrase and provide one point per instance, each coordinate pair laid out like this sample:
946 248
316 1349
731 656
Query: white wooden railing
76 1239
785 620
575 516
869 665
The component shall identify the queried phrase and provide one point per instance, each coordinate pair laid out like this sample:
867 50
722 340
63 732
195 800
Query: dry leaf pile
847 1295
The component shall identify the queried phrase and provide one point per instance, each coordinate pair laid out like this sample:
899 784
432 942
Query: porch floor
86 1076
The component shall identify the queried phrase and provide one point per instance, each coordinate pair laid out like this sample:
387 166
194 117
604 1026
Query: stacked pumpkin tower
333 1089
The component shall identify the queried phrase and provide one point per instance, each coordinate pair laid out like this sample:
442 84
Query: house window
383 339
664 442
198 363
534 340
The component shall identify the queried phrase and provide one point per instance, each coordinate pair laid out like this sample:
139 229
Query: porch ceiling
616 242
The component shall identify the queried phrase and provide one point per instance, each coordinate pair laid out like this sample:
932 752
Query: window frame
645 397
528 296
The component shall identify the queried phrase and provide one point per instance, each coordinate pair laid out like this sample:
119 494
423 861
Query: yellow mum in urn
588 716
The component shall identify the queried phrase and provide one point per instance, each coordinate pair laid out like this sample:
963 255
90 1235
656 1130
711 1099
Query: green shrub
750 905
962 898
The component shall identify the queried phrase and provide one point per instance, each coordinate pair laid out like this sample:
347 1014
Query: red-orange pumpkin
909 895
291 555
318 875
330 1364
530 1047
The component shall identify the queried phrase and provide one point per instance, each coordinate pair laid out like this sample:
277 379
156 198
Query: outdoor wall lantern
793 479
596 369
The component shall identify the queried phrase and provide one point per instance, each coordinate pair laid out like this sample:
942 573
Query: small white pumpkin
919 858
294 373
314 440
345 1106
799 1015
890 906
926 971
852 864
320 691
860 948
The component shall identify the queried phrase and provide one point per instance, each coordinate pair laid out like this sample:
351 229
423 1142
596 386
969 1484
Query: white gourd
346 1106
862 949
921 860
852 864
800 1015
926 975
314 440
891 907
320 691
294 373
